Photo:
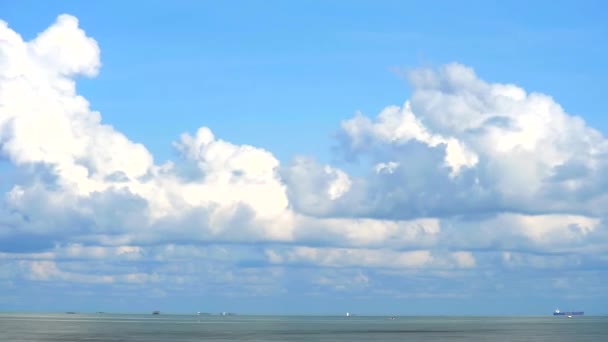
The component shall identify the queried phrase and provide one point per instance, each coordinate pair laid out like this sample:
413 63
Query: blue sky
314 157
304 67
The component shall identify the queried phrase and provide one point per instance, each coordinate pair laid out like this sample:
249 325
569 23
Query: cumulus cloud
102 183
500 169
102 188
466 175
314 188
461 145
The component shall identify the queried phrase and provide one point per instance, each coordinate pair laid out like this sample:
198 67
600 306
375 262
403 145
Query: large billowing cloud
466 175
462 146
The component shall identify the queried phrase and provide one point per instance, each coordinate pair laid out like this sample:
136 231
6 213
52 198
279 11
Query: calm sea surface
106 327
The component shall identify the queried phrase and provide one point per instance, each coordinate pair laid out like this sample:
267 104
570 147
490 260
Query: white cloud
43 121
368 232
248 173
515 260
463 146
313 188
79 251
464 167
556 233
386 167
343 280
519 138
399 126
369 258
65 48
49 271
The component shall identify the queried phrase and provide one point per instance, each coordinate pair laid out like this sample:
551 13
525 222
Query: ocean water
106 327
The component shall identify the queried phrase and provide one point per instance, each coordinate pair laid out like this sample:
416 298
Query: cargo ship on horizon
557 312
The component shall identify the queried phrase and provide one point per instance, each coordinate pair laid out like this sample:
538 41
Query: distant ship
156 312
568 313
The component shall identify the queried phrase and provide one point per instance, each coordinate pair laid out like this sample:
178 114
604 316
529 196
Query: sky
317 157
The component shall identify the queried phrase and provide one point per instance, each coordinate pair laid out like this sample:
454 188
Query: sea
67 327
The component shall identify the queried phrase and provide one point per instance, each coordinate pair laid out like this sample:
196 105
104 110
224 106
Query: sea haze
108 327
